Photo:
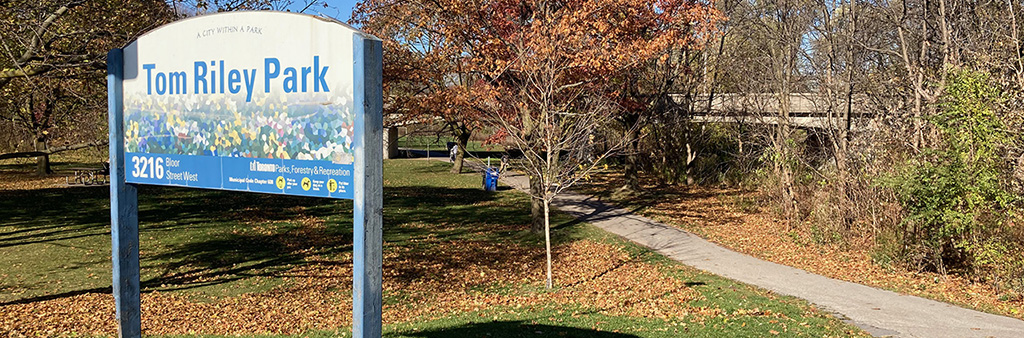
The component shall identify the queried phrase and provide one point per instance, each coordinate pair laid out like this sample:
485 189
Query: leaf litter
721 216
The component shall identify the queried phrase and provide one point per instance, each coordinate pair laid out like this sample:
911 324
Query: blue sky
338 9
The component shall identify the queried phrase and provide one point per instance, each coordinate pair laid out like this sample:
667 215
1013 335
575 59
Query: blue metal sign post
266 102
368 214
124 210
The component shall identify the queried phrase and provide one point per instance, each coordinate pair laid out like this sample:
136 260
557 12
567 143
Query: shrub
953 193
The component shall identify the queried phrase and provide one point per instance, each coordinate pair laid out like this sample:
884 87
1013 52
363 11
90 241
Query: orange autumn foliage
458 59
540 72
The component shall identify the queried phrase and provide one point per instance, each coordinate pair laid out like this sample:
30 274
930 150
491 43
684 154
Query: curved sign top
250 101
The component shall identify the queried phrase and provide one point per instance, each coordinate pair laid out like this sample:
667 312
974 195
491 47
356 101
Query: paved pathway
879 312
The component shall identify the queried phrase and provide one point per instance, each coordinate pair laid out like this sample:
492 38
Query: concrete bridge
806 110
810 111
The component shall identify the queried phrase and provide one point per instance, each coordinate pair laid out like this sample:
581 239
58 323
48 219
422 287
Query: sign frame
367 177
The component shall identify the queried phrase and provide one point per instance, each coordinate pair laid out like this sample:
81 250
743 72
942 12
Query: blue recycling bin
491 179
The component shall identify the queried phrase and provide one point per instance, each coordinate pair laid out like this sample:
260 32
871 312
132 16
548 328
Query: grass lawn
458 262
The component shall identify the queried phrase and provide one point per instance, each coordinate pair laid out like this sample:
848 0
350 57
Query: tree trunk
690 157
537 213
632 169
785 151
460 155
547 238
42 162
632 165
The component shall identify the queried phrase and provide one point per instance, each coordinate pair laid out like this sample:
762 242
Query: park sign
246 102
269 102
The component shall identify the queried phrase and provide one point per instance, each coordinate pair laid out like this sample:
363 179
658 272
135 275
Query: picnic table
89 175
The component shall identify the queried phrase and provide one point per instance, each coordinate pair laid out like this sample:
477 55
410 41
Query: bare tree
554 125
783 24
52 67
550 81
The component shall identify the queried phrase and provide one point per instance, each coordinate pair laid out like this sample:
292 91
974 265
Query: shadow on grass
223 260
193 238
46 215
106 289
413 212
511 329
60 214
161 207
189 237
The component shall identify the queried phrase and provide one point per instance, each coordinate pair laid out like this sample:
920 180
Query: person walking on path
504 164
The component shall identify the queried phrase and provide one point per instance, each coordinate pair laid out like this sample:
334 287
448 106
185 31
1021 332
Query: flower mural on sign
269 127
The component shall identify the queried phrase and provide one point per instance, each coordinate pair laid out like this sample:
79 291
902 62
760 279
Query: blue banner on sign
275 176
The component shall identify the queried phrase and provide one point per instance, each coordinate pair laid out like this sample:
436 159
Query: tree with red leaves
543 72
427 76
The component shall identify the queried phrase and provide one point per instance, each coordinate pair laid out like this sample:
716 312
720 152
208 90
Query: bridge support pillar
390 143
